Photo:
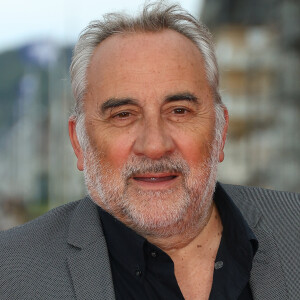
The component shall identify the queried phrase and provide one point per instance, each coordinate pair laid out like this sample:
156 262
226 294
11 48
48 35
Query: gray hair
154 17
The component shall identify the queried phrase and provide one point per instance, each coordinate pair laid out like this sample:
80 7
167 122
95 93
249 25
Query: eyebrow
116 102
181 96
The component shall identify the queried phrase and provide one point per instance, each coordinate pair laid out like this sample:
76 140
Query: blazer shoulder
279 210
263 198
34 256
41 230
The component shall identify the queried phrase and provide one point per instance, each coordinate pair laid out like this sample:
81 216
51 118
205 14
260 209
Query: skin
148 96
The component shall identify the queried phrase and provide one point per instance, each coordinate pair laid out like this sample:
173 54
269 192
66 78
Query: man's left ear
221 151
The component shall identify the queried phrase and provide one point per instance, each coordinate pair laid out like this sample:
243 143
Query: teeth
155 179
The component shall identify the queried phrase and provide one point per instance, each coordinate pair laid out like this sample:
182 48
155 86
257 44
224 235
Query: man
148 130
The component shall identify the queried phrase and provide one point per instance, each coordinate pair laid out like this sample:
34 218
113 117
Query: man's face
149 117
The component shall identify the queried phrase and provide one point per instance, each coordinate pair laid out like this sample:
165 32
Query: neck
199 240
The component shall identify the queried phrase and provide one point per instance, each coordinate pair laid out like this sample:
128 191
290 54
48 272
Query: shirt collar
236 251
231 217
124 244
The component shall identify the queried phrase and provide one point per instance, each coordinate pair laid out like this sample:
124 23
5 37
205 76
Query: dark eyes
122 115
180 111
126 117
126 114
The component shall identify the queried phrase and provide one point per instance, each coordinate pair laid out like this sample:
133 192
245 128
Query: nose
153 140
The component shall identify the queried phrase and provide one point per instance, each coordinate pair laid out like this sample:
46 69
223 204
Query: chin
164 214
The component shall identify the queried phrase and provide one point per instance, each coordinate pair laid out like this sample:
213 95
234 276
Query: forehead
145 62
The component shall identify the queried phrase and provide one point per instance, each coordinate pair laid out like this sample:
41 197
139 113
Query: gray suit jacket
63 254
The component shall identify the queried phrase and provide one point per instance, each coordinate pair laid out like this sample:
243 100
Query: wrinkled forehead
128 65
141 48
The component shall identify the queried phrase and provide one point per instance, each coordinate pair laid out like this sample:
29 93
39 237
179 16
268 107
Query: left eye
180 111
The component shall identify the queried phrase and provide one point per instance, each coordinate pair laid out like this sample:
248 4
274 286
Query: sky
60 21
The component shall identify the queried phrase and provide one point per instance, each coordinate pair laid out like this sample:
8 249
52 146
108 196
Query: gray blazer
63 254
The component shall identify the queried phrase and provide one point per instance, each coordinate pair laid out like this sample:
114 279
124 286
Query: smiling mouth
154 179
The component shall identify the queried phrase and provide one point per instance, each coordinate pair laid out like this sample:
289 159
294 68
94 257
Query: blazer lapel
89 261
267 278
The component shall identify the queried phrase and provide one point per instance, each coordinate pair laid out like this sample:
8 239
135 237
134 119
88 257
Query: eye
122 115
122 118
180 111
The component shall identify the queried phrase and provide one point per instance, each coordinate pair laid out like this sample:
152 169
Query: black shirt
143 271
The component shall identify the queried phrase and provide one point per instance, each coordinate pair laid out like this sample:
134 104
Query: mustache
141 165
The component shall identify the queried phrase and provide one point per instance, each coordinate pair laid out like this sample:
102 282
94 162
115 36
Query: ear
75 144
226 117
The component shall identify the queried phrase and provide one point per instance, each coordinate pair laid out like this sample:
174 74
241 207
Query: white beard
183 208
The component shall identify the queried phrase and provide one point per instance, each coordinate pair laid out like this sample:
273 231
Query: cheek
194 145
193 152
115 150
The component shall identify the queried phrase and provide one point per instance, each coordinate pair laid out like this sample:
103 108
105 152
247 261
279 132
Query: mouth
155 180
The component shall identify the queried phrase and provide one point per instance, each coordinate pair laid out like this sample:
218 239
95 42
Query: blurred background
258 49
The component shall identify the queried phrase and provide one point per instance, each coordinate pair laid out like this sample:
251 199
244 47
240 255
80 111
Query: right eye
122 115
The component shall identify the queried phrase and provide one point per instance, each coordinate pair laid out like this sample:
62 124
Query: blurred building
258 50
38 168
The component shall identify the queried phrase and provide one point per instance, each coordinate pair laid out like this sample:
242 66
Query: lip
155 180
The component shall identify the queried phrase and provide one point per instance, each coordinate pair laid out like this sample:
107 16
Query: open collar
267 279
